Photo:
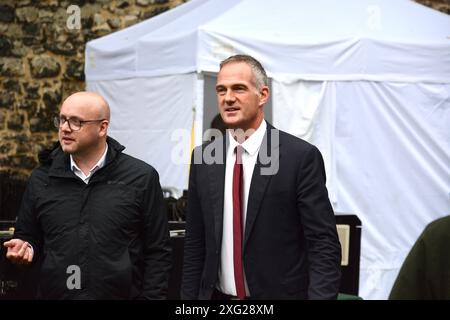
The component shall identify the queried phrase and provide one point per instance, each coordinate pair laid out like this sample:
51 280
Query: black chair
349 231
16 282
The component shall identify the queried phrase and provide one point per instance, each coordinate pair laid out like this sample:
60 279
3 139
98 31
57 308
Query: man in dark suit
259 221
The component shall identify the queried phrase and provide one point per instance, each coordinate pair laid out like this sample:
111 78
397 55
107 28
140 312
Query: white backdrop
387 152
153 127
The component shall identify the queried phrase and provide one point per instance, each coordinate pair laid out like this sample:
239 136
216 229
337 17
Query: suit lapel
216 177
260 181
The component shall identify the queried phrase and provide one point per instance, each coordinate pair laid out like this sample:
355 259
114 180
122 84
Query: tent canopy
319 40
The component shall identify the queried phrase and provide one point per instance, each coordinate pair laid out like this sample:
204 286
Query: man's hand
19 251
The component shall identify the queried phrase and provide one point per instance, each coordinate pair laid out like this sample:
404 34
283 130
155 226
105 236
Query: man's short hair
257 68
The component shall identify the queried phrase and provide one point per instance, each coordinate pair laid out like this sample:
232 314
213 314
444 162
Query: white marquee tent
367 81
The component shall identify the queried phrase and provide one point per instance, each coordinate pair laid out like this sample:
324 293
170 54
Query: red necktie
237 223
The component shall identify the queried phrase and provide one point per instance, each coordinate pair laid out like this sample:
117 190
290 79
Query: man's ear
104 128
263 95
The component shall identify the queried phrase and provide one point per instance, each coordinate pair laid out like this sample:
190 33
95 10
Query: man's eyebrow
74 117
239 84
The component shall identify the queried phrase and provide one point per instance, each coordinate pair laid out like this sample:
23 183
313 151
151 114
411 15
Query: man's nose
229 97
65 126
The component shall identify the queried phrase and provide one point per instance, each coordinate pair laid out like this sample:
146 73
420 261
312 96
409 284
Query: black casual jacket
113 230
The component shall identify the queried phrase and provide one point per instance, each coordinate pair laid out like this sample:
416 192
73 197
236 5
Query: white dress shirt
100 164
251 146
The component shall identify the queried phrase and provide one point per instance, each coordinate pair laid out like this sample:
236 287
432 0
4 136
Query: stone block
7 100
5 46
27 14
75 70
44 66
15 121
7 13
11 67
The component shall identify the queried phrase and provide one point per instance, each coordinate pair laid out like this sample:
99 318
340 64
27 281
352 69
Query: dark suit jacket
291 249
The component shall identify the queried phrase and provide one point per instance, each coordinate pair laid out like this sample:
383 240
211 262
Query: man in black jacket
93 216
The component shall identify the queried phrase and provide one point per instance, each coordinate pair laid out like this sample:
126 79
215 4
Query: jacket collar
266 167
60 161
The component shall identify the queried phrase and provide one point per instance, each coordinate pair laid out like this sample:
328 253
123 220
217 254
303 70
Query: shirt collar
253 143
100 163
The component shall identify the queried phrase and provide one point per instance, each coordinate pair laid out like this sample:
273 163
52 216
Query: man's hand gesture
19 251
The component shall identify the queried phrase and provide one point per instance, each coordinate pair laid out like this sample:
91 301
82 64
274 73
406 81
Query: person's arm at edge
157 249
319 224
194 245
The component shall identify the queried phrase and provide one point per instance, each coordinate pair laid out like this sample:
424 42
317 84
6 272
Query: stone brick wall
441 5
42 62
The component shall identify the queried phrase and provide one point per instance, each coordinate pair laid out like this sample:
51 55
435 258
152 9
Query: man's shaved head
92 112
94 103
